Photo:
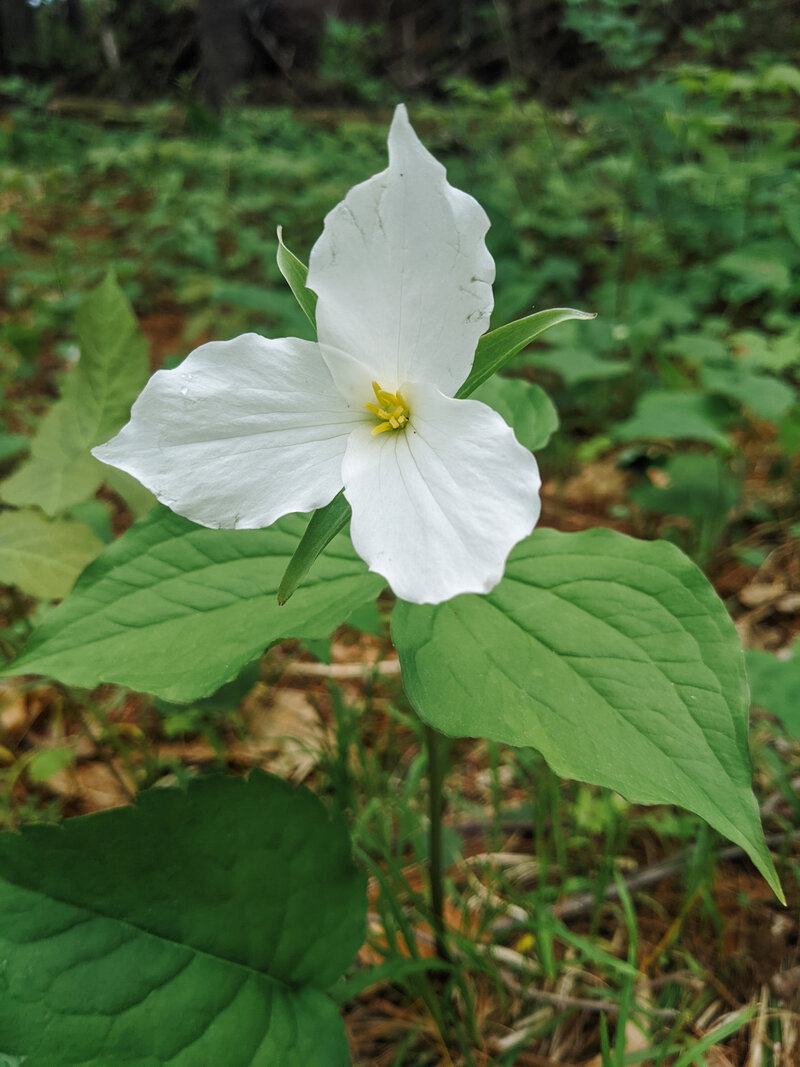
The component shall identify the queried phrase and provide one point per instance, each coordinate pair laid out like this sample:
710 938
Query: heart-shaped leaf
177 610
614 658
527 409
197 927
94 403
43 558
672 416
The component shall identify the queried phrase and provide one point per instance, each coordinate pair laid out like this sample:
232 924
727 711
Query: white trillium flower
248 430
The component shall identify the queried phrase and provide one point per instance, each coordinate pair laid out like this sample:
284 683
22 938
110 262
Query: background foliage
638 160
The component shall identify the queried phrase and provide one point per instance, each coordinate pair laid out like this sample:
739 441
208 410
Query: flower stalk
437 768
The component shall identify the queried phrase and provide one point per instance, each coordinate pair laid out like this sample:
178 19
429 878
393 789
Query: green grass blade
713 1037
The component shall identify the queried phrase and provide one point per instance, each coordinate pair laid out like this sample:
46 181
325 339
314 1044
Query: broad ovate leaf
94 403
177 610
765 396
666 415
44 557
775 684
197 927
526 408
611 656
578 365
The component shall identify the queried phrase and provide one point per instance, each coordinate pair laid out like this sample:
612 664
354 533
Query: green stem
436 773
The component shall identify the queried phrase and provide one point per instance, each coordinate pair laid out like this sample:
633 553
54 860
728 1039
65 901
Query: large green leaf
95 401
41 557
138 499
775 685
527 409
614 658
692 484
199 927
662 414
754 273
176 609
577 365
765 396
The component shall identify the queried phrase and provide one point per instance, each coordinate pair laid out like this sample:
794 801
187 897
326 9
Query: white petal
242 432
402 272
438 507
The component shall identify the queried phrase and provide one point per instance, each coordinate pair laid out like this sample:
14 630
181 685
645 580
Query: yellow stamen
391 409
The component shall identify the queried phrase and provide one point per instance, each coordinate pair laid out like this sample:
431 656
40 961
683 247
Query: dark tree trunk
226 49
17 36
75 19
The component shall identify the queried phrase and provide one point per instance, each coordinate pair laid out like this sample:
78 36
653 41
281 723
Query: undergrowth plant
212 923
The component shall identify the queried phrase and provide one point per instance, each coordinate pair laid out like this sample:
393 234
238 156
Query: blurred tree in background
346 50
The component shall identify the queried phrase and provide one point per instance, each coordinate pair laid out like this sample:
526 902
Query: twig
104 758
508 958
344 670
773 801
584 902
69 703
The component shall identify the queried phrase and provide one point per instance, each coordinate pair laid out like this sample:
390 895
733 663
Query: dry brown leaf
717 1056
95 785
15 714
601 480
756 594
786 984
787 1052
637 1038
285 730
196 750
19 708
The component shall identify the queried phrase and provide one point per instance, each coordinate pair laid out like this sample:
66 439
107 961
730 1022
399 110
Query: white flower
247 430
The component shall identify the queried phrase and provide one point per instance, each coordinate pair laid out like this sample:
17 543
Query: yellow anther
391 409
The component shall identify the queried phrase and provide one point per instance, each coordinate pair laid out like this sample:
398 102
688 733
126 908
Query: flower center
391 410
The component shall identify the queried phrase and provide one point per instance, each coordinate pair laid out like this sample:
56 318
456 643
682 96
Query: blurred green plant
348 60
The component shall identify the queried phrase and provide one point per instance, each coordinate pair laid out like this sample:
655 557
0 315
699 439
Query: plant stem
436 773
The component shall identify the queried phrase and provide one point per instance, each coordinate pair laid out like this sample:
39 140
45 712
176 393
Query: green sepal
496 348
324 525
295 272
